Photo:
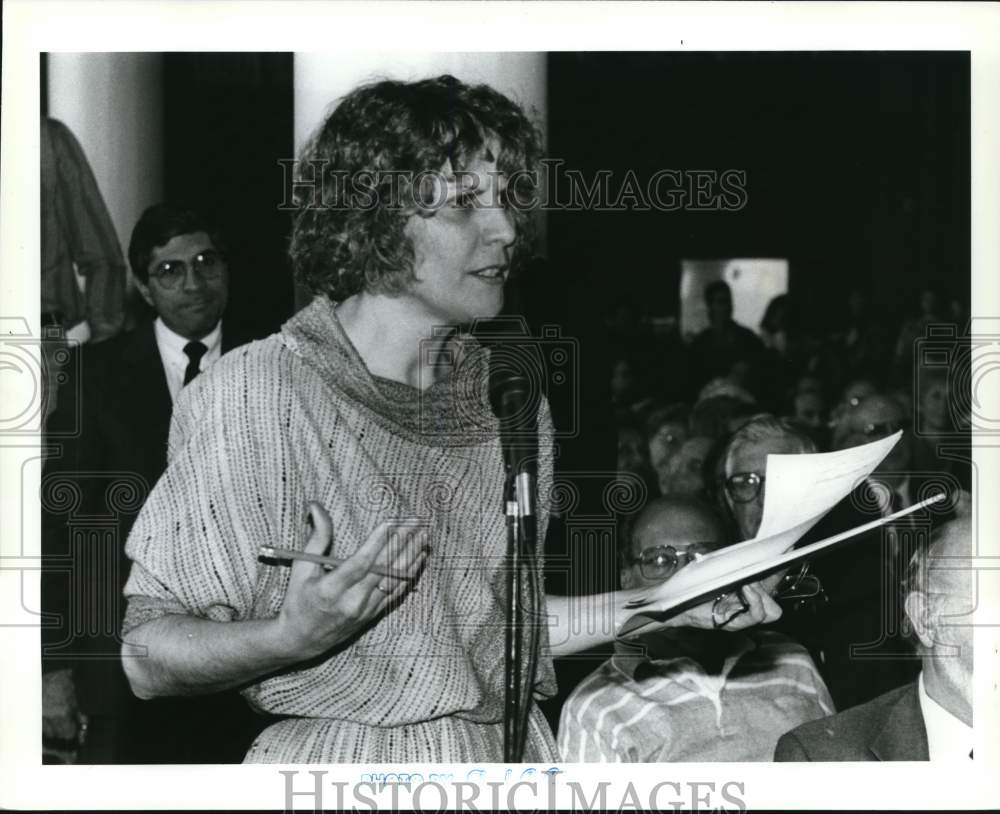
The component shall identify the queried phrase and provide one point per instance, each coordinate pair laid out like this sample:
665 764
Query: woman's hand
730 612
324 608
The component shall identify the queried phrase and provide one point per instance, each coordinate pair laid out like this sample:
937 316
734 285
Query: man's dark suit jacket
112 424
891 727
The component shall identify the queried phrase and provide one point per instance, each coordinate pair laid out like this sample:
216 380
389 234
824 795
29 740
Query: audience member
809 410
83 272
724 342
629 389
745 464
932 304
686 473
123 400
859 342
666 431
704 695
718 416
863 651
929 718
935 425
633 454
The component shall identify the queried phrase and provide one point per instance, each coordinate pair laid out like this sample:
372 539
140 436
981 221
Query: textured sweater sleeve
194 546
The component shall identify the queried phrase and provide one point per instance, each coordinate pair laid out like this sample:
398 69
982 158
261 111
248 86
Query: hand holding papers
801 489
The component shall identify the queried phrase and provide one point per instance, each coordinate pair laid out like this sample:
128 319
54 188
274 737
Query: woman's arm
578 623
178 654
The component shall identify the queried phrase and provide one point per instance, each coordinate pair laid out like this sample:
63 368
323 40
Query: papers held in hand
801 489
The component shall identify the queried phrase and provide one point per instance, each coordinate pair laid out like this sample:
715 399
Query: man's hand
60 714
325 608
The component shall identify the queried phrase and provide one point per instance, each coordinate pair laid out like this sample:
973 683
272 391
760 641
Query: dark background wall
228 121
857 168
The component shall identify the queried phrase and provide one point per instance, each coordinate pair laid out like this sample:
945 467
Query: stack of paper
800 490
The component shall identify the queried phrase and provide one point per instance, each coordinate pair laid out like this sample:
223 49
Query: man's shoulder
108 363
604 680
846 735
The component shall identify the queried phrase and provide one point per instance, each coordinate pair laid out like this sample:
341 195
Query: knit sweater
298 417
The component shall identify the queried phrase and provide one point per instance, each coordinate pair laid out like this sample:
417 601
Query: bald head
684 523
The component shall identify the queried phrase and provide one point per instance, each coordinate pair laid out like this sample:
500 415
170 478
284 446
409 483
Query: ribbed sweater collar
453 411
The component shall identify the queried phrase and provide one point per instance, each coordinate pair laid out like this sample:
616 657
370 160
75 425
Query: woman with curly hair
369 411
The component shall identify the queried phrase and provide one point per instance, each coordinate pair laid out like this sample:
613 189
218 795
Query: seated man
930 718
688 695
744 461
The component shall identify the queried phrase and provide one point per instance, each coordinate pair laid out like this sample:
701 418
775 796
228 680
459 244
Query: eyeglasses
208 264
744 486
801 589
662 561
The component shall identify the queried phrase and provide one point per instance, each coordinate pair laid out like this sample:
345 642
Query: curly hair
374 153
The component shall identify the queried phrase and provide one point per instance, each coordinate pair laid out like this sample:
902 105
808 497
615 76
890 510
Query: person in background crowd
666 431
706 695
863 649
718 416
633 454
629 388
929 718
859 343
83 271
936 428
124 401
686 473
745 464
932 303
809 410
724 343
851 396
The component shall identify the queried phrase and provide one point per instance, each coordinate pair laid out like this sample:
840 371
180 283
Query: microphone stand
521 537
512 629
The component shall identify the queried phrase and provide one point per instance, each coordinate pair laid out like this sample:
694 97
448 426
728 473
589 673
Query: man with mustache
122 404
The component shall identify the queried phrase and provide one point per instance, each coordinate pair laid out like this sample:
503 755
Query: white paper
800 490
803 487
721 580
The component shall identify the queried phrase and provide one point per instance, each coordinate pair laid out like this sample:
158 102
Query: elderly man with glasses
929 718
684 694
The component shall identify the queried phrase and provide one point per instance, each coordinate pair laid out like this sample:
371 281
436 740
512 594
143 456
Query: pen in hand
275 553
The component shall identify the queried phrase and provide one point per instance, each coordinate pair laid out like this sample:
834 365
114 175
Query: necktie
194 351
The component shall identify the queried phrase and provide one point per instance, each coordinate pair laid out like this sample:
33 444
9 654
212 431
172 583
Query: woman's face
461 250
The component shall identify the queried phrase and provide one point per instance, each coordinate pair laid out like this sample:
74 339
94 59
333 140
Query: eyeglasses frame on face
199 263
754 478
681 556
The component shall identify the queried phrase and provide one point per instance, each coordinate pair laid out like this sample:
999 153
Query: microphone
515 404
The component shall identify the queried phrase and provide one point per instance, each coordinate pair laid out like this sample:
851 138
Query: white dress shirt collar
948 738
175 361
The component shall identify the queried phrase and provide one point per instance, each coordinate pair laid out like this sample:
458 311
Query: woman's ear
918 611
627 577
